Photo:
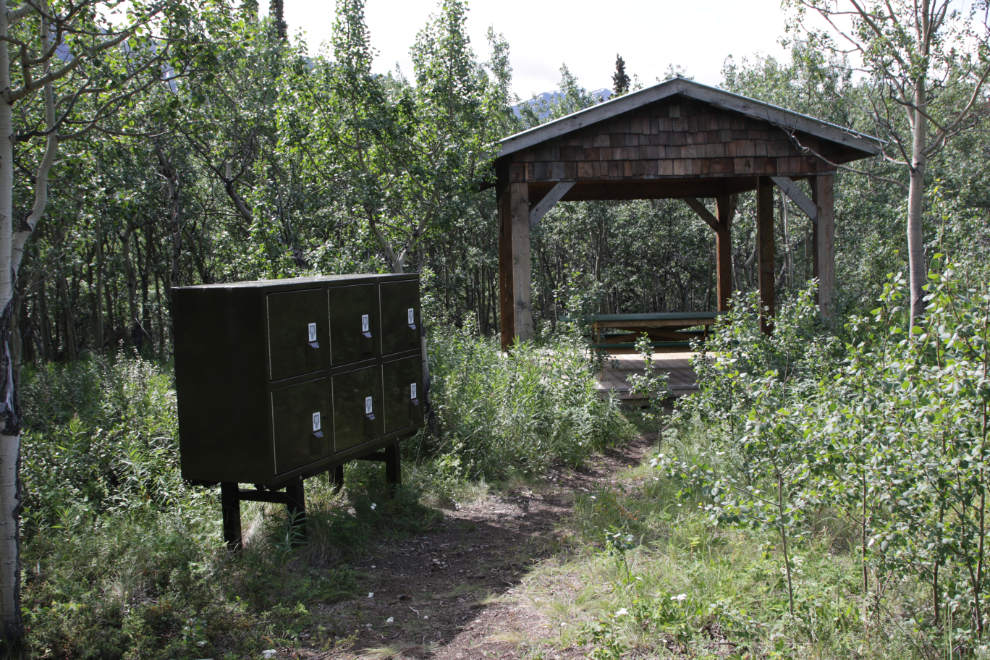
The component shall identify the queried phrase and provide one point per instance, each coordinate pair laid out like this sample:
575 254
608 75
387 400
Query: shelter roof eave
786 119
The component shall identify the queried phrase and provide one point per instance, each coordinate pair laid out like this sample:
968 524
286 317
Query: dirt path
451 593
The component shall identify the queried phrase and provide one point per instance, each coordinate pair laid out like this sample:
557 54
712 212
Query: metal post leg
337 479
296 495
230 507
393 466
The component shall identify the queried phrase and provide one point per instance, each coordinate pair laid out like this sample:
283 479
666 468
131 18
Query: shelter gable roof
786 119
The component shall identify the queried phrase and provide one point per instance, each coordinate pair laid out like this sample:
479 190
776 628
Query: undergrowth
122 559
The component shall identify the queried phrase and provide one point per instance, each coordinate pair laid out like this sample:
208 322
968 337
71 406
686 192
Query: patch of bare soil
451 593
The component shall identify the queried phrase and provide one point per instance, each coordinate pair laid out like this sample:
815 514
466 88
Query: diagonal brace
792 190
702 211
555 195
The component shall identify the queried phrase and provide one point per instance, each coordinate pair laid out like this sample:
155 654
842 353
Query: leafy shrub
519 411
892 436
99 436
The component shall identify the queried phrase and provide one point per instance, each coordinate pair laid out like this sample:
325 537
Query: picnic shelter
675 140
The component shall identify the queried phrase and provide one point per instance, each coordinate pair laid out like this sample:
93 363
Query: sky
543 34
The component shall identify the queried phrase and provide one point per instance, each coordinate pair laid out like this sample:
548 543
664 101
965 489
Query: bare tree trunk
916 204
99 286
45 323
172 190
132 310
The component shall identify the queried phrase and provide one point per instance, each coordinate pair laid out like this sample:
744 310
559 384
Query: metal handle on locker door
312 346
370 427
411 325
366 345
314 444
413 402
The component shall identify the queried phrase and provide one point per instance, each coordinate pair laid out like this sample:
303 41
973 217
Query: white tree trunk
10 439
916 205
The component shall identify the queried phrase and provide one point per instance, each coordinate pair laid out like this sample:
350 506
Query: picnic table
666 330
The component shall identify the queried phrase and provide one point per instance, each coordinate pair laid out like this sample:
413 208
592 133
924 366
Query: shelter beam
765 250
823 235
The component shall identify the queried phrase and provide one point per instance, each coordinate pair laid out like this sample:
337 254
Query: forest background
262 159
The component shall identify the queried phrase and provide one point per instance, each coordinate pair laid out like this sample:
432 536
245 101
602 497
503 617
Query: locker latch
413 401
313 354
366 345
411 324
315 444
369 417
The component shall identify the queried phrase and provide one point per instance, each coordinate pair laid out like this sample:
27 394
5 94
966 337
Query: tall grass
123 559
521 411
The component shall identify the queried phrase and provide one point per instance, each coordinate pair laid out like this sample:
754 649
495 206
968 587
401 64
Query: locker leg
393 466
297 506
230 508
338 479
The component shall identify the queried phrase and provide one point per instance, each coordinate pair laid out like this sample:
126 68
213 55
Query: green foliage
101 437
517 412
892 437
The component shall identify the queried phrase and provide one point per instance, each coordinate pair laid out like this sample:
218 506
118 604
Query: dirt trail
451 593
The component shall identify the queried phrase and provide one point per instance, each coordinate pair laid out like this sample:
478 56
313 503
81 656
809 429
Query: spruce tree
277 11
620 81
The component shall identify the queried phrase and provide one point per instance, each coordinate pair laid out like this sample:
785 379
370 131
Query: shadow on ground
449 593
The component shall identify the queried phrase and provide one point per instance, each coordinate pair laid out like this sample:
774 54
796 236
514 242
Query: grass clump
517 412
821 497
122 559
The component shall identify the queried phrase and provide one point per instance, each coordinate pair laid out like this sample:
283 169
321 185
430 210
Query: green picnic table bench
666 330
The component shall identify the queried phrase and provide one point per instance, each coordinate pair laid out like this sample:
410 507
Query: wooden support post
725 207
295 495
765 251
823 239
393 466
230 510
522 284
507 306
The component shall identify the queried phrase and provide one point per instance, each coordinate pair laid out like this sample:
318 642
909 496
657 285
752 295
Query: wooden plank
725 206
721 98
522 284
765 245
792 190
537 212
702 211
660 316
823 237
505 290
634 325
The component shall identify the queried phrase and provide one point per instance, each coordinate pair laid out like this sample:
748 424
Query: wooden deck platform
676 363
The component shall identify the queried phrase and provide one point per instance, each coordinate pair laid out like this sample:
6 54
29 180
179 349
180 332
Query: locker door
354 327
402 381
297 333
400 316
301 424
357 408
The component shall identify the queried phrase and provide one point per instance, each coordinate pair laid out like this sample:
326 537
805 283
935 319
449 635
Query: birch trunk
916 204
10 437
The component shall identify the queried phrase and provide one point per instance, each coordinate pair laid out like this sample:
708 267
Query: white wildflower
373 505
390 620
679 597
371 594
622 612
269 654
